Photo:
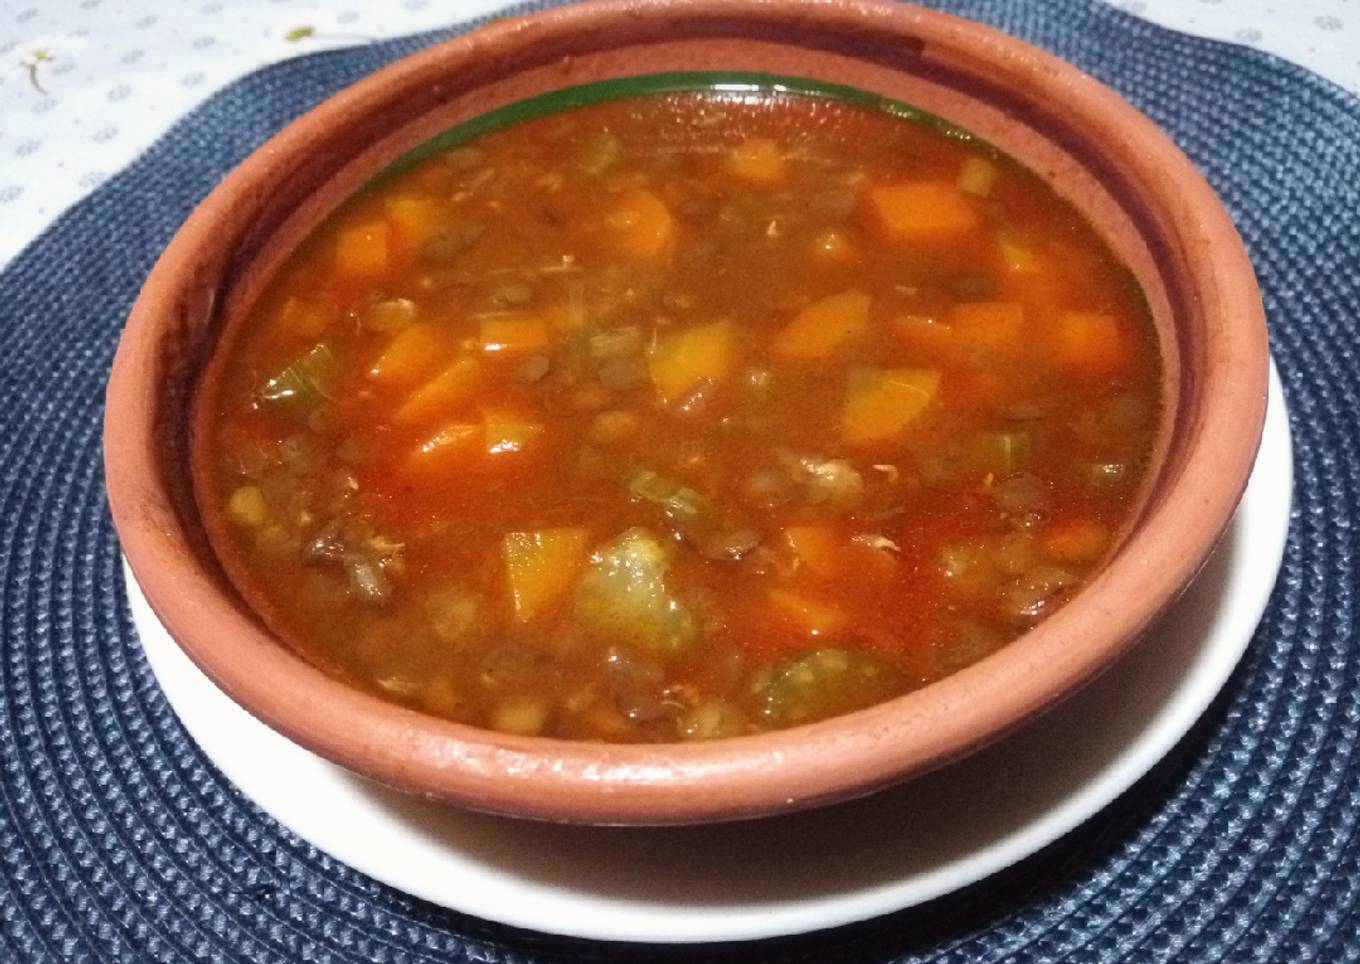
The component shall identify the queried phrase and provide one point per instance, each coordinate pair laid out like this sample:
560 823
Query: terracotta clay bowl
1130 180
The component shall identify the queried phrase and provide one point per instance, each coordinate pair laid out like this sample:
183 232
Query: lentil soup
679 416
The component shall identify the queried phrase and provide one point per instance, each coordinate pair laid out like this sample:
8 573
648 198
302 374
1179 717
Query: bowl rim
749 775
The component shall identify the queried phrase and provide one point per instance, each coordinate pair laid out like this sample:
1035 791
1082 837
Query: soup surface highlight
679 416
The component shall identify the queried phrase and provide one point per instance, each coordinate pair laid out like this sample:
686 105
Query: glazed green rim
676 82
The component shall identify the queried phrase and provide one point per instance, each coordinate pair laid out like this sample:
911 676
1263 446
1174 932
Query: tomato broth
679 416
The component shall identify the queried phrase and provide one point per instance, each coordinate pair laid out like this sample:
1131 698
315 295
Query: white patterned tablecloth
86 85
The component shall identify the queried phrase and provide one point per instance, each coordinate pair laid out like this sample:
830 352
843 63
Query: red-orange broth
679 416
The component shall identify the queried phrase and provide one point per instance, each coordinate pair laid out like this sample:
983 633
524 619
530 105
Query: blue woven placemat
119 841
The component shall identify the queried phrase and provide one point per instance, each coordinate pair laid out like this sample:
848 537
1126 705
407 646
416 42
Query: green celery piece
685 508
623 598
824 683
304 384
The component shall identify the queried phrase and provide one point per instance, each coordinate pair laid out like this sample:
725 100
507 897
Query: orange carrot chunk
824 326
1089 342
923 212
1077 542
881 403
757 159
514 334
415 352
451 387
361 250
641 224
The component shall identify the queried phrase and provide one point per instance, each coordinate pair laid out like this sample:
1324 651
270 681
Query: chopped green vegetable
689 513
969 643
1035 592
613 343
1003 454
824 683
711 719
623 596
304 383
834 483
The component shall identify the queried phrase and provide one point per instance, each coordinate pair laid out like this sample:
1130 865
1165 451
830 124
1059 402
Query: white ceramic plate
789 874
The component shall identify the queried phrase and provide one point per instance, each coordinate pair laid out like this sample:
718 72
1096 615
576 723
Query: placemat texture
119 841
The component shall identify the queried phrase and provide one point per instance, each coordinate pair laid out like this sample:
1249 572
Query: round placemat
119 841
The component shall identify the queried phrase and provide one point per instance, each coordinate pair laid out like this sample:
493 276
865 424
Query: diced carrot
679 362
361 250
811 616
829 553
417 219
922 212
833 246
757 159
305 318
452 386
511 334
1081 541
987 328
1088 342
641 223
816 548
823 326
977 176
507 432
443 454
541 567
412 354
881 403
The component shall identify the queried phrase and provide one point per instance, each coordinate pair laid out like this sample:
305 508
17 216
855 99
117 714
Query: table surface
87 85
